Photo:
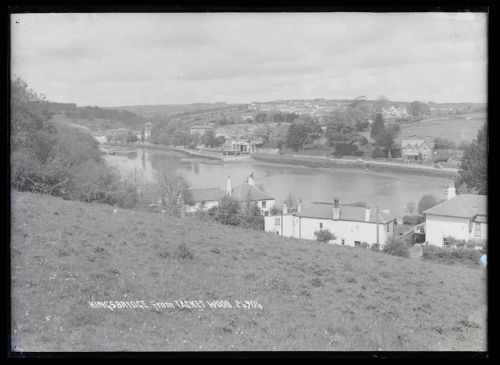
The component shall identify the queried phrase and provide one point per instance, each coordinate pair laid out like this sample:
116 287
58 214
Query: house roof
413 143
208 194
347 213
244 191
463 205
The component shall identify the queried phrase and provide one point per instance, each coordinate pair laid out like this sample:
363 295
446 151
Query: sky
179 58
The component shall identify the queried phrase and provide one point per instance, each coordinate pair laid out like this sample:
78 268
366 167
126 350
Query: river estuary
389 190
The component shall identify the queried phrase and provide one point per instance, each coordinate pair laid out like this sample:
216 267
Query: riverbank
371 165
186 151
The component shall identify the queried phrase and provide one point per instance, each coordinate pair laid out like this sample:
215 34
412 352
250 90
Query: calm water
388 190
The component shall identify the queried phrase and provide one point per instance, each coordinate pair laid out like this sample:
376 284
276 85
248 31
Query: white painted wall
276 222
349 231
437 227
269 205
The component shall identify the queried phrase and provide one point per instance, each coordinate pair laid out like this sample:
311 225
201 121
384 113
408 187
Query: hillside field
313 296
457 129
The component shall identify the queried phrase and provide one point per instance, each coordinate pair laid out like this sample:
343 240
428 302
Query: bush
443 144
396 247
324 235
378 152
342 149
52 158
452 256
413 219
427 202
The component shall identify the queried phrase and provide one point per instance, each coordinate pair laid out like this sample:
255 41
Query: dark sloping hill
314 296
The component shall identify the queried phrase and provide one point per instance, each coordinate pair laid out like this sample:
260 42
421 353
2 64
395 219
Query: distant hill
172 109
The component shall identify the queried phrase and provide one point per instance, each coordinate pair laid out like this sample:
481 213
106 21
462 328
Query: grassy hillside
457 129
314 296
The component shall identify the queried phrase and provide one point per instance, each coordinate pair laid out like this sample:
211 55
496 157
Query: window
263 204
388 227
277 221
343 241
477 231
321 226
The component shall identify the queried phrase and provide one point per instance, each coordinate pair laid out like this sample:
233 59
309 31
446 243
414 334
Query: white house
352 226
416 149
462 217
204 199
248 192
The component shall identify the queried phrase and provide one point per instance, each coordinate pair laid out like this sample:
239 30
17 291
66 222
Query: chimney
229 190
285 208
299 206
336 209
451 192
368 212
251 181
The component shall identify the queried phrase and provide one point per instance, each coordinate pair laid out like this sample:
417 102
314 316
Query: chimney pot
336 209
367 214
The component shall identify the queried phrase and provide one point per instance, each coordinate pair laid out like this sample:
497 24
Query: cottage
462 217
416 149
352 226
207 198
204 199
248 192
245 145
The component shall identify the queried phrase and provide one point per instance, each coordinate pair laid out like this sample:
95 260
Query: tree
261 117
227 212
473 172
173 190
427 202
324 235
208 138
386 136
418 109
251 216
291 201
377 125
410 207
131 137
143 135
181 137
296 136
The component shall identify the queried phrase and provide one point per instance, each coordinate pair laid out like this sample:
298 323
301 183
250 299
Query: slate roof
411 146
463 205
347 213
244 191
207 194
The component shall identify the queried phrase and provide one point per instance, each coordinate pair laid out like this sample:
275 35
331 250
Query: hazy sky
132 59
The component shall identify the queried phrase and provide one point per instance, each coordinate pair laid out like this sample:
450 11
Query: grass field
457 129
314 296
